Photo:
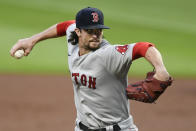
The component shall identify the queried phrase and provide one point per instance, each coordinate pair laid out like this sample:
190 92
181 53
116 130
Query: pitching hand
26 44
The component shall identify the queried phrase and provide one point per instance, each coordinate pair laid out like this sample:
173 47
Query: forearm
27 44
155 58
46 34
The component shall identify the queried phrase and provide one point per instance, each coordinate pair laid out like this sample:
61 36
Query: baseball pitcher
99 72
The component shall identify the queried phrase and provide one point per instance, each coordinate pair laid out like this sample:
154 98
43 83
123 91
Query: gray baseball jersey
99 80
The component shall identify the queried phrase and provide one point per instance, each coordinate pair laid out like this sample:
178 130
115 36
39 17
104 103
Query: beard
92 48
93 45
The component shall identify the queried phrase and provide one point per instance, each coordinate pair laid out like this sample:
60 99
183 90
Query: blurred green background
170 24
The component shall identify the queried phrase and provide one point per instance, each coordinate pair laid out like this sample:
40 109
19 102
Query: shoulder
62 27
117 48
105 45
70 29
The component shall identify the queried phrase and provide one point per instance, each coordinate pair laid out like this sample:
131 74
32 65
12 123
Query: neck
83 51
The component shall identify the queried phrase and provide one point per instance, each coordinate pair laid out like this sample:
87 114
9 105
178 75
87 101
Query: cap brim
95 27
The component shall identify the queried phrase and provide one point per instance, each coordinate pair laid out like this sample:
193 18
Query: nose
95 36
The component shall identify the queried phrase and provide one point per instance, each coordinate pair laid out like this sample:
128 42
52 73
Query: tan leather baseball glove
149 90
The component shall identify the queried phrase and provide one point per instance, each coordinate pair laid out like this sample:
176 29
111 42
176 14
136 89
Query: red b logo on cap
95 17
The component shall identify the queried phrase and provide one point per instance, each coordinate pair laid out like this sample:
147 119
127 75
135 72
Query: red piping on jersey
62 27
139 49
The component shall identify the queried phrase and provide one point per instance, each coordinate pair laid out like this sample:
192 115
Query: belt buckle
116 127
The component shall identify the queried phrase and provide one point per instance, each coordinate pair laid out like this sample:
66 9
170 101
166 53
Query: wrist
161 74
35 39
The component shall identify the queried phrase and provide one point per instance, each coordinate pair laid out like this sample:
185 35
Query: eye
94 31
90 31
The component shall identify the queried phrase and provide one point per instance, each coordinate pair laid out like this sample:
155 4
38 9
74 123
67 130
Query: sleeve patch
122 49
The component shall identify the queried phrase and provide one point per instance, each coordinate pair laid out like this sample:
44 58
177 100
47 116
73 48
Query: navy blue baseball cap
90 18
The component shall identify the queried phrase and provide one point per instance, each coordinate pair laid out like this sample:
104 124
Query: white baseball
19 54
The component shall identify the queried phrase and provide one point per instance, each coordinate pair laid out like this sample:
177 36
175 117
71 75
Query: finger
14 49
27 52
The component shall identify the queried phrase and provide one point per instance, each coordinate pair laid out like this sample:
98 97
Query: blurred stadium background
170 24
34 92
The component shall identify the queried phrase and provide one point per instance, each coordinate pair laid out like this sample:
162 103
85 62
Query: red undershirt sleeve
139 50
62 27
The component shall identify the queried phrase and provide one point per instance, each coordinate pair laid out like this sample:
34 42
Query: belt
85 128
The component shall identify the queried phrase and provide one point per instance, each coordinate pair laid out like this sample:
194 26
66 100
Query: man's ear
78 32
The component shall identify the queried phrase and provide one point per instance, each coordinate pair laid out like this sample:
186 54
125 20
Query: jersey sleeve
63 26
118 58
139 49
